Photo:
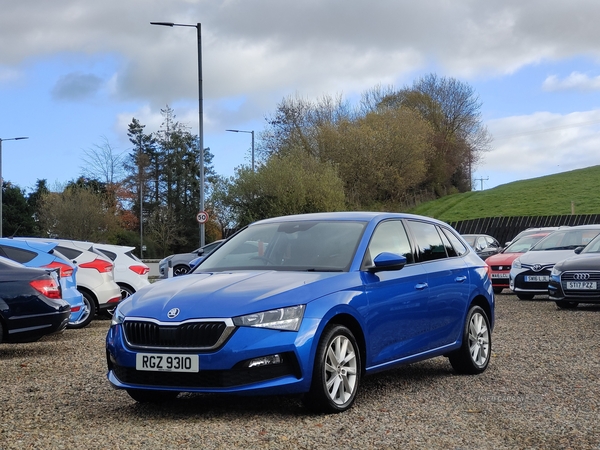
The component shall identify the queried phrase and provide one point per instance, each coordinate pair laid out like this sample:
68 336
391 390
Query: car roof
362 216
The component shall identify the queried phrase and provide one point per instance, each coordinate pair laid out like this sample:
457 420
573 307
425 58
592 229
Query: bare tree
103 163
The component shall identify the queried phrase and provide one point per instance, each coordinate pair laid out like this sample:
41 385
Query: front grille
580 293
193 335
520 282
237 376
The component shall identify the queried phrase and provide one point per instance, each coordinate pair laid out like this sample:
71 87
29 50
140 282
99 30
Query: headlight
117 317
287 319
555 272
516 264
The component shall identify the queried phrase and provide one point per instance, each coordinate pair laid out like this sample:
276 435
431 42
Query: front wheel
180 270
562 304
336 373
149 396
474 354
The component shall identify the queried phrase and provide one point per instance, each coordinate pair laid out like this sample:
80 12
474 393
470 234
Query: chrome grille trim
152 330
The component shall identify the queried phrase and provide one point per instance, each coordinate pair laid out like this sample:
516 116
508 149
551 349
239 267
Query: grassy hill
544 196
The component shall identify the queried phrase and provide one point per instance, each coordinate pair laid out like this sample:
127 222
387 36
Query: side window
18 254
457 245
429 242
389 236
68 252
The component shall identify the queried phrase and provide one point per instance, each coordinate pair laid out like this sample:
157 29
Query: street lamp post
1 181
251 132
200 113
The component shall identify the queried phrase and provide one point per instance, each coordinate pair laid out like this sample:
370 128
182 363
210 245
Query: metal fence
505 228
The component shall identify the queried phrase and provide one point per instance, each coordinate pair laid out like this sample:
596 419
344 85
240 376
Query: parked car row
561 262
94 278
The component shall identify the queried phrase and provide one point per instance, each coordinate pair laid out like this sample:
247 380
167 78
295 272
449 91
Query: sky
74 73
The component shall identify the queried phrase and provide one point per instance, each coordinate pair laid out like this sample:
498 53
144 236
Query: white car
130 273
95 278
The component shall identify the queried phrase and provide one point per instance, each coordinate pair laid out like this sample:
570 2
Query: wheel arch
83 289
354 326
483 303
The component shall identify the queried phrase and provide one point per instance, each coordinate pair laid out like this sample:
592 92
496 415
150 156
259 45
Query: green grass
545 196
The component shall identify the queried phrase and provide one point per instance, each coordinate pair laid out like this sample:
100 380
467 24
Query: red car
500 263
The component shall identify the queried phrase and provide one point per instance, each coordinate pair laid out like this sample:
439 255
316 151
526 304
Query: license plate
157 362
537 278
500 275
581 285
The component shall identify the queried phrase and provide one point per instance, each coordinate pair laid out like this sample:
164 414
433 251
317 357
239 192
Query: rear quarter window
17 254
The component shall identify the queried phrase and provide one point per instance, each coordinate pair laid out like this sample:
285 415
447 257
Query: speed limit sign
202 217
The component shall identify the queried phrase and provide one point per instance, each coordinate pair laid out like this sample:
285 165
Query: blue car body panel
398 316
45 257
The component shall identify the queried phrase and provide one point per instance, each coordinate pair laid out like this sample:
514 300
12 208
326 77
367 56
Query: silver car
180 262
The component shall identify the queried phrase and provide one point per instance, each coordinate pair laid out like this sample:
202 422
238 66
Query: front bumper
226 369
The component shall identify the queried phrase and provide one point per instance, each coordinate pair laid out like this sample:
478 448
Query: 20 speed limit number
166 362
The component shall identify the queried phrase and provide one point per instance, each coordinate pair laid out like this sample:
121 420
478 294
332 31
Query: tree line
382 153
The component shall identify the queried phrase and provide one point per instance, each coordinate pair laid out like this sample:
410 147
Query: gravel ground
541 390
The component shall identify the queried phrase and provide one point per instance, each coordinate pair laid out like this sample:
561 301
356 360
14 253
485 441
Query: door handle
421 286
460 279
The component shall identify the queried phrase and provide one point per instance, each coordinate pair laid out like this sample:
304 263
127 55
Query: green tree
17 213
291 184
82 211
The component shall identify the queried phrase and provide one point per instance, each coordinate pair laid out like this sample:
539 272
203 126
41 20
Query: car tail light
140 270
114 300
48 287
65 269
100 265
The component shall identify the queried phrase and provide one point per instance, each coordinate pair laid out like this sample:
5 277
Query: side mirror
578 250
387 261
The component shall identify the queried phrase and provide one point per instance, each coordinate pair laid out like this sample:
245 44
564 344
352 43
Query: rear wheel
336 373
525 296
148 396
89 311
126 291
562 304
474 354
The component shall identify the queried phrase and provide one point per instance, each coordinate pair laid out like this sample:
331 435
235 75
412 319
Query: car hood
502 259
229 294
545 257
584 261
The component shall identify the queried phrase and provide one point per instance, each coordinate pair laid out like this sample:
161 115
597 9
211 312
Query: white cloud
541 144
575 81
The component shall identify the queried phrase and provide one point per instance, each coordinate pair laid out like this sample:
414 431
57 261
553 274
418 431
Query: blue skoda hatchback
307 304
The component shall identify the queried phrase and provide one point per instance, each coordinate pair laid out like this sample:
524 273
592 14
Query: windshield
302 245
523 244
593 246
568 239
470 239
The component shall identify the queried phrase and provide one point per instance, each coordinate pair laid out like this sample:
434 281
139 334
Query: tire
474 354
126 291
525 296
148 396
563 304
1 333
336 372
90 311
180 270
498 290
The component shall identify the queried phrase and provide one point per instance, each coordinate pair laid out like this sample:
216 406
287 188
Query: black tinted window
429 243
457 245
68 252
17 254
